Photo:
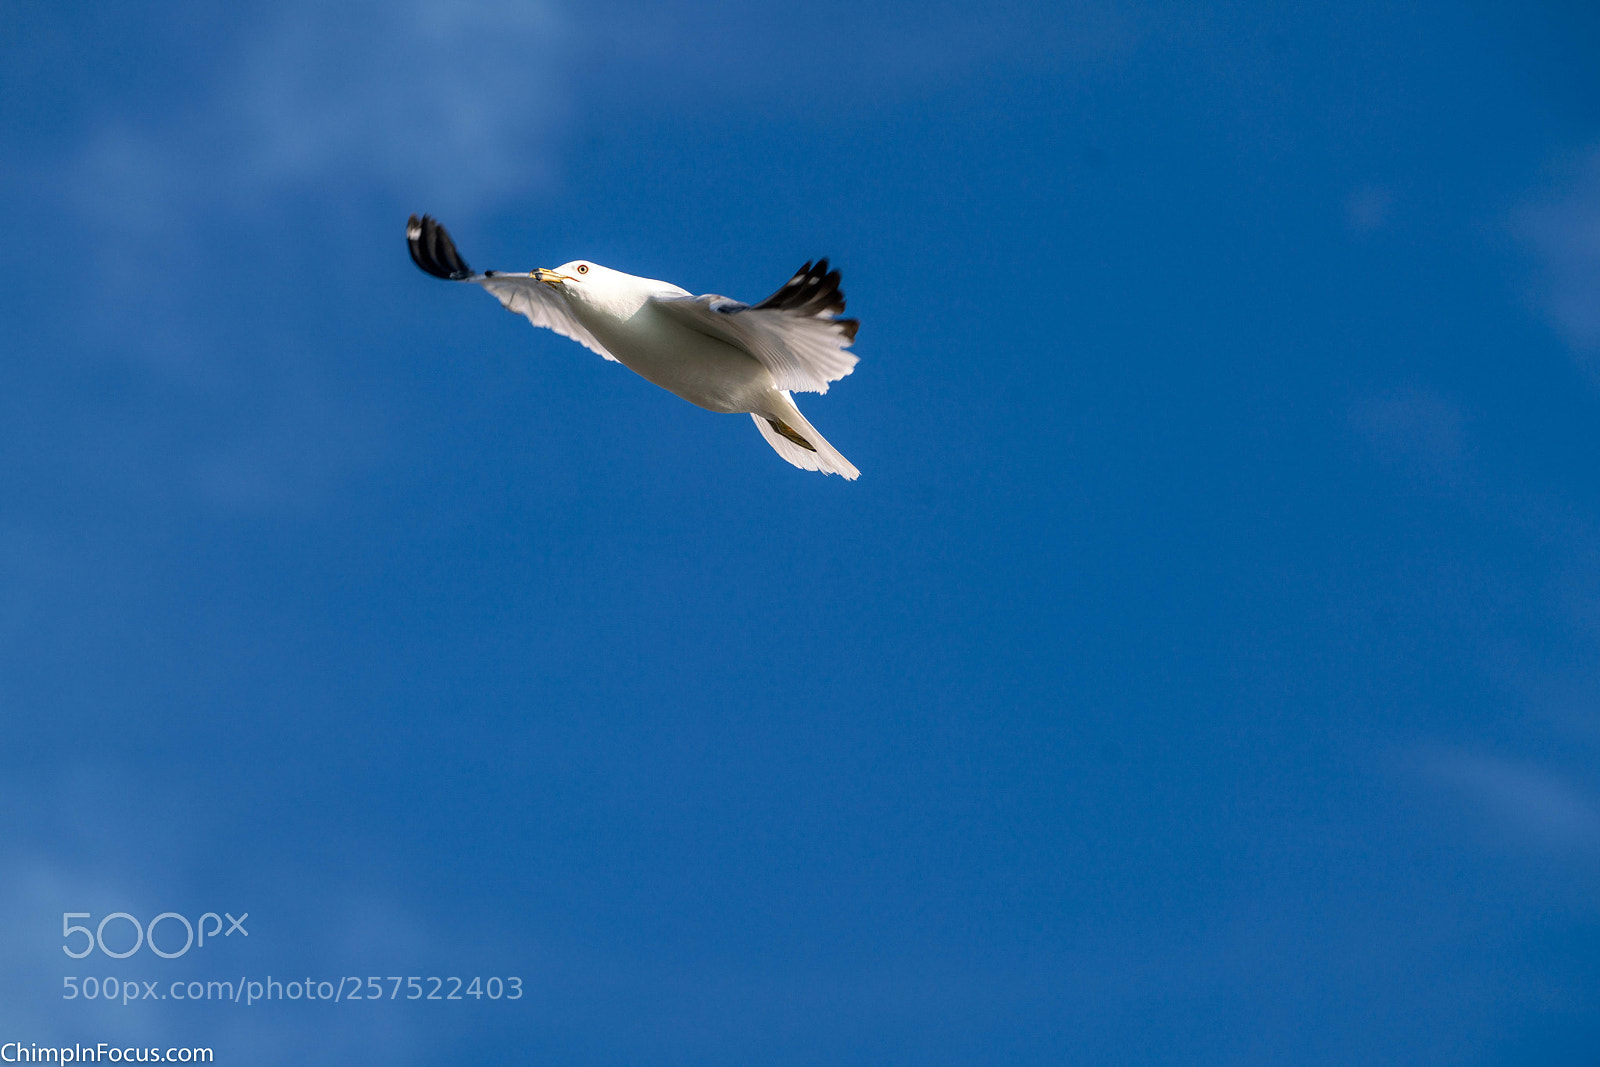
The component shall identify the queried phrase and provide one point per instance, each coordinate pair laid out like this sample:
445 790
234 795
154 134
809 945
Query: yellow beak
549 277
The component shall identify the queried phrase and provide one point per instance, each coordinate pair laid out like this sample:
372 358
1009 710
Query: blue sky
1203 670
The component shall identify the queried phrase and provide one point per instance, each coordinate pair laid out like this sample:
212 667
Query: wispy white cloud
450 102
346 111
1523 801
1562 228
454 98
460 103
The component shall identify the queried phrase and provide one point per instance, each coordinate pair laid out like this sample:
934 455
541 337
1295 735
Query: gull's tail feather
793 438
433 251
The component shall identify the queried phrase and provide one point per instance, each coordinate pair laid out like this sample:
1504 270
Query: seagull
717 353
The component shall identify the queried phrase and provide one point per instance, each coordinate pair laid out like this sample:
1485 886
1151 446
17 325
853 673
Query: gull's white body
618 311
716 353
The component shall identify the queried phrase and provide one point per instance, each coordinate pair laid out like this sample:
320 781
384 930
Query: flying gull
718 353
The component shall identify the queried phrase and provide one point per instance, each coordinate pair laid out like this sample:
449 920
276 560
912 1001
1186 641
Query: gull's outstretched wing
795 333
534 301
434 251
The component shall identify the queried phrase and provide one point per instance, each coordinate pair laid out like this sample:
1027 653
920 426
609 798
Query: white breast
701 369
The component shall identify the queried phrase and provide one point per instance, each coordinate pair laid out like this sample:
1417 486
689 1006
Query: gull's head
585 282
579 272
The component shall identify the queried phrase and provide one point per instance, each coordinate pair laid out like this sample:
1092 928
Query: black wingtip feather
433 251
814 290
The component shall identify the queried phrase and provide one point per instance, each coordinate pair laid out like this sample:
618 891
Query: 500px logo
146 935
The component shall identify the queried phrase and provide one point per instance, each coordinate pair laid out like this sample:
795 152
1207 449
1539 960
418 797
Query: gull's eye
583 268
